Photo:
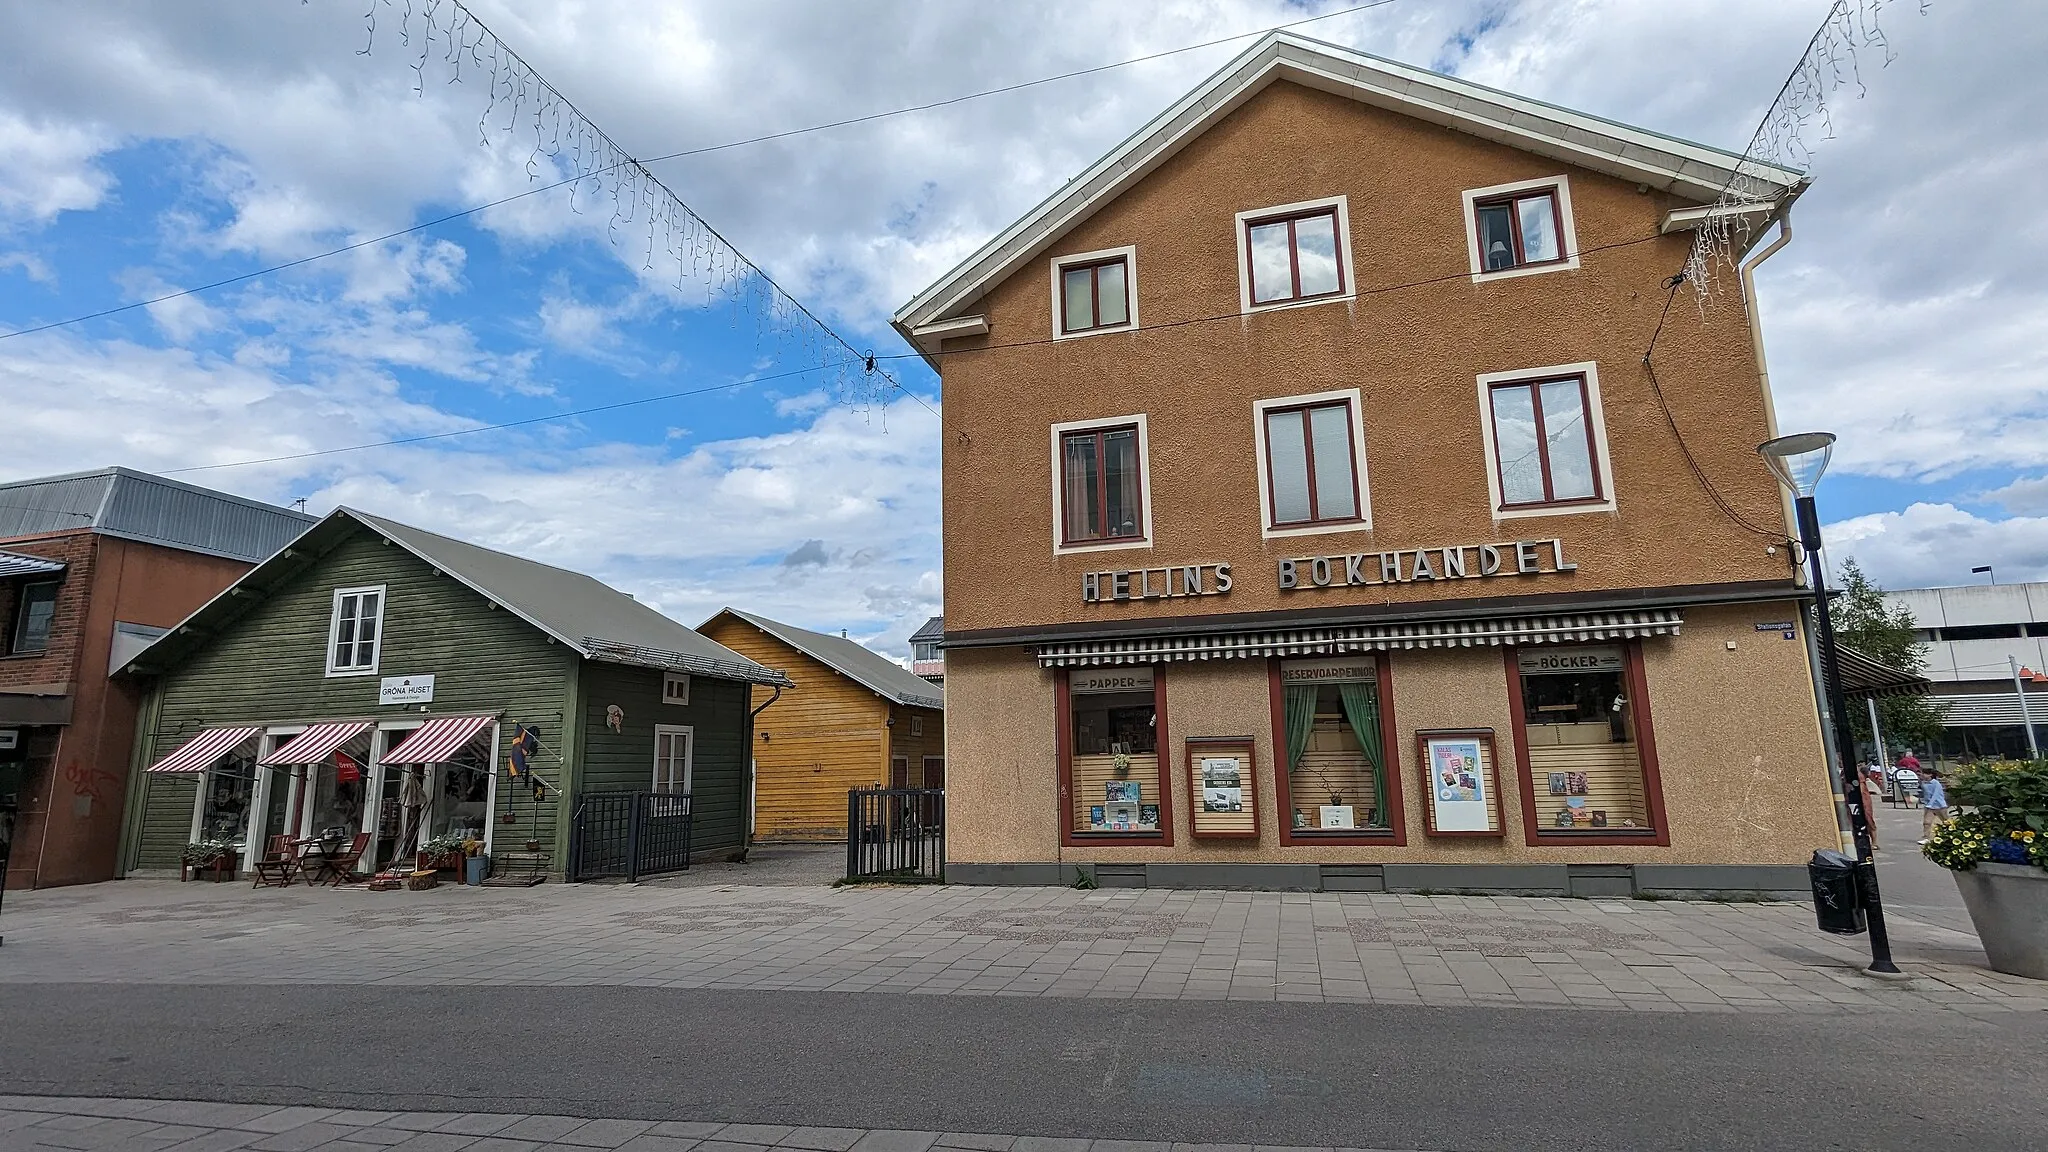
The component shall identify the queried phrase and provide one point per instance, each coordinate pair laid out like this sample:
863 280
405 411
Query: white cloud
1935 544
49 168
32 266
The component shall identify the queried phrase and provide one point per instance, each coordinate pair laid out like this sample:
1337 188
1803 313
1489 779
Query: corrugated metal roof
1988 709
16 564
932 629
856 662
137 506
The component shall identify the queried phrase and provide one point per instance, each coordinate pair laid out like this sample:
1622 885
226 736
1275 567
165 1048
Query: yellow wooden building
855 719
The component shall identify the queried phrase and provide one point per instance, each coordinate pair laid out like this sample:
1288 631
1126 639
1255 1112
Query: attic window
1520 229
355 634
675 688
1295 254
1095 292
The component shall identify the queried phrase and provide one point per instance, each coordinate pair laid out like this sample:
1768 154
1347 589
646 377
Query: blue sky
159 148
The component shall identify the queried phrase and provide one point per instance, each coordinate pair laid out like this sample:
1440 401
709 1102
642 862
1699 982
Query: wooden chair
279 866
340 867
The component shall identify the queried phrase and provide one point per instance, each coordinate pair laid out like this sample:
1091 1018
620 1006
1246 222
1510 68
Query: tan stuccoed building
1312 520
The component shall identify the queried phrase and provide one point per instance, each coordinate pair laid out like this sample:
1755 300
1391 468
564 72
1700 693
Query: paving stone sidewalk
1333 947
80 1124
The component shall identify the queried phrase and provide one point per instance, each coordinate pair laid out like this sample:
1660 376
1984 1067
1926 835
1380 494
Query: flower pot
2008 904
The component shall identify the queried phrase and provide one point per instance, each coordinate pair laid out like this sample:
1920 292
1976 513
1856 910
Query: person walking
1872 786
1933 802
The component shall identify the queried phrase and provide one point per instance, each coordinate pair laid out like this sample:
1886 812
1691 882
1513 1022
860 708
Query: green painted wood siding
270 666
166 818
623 761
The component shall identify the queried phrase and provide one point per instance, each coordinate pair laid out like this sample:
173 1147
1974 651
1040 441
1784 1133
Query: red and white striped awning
315 744
199 753
1334 640
437 740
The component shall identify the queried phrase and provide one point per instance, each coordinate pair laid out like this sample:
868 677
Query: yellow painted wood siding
932 743
824 737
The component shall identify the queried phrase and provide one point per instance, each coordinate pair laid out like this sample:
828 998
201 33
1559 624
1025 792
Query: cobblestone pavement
962 941
767 865
115 1125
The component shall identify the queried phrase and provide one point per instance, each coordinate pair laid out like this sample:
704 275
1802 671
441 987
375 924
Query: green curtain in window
1362 709
1300 706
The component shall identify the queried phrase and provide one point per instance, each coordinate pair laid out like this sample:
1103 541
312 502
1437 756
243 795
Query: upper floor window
1095 292
1313 469
1545 438
356 634
675 688
1099 491
1295 254
1513 229
925 650
33 617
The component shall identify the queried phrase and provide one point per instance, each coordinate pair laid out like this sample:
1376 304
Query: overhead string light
1785 137
443 38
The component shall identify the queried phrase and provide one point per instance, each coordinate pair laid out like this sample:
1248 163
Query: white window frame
689 734
1344 261
1569 240
1351 396
669 681
334 629
1059 493
1129 254
1595 413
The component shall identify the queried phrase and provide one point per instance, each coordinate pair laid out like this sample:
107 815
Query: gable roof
932 629
1694 172
858 663
593 619
138 506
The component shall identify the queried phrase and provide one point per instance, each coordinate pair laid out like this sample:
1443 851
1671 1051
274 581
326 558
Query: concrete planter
2008 903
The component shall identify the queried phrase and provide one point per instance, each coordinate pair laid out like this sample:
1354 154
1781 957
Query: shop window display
224 804
337 808
461 801
1336 765
1584 752
1114 752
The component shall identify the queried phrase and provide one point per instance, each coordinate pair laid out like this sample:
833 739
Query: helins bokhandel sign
1170 583
1412 565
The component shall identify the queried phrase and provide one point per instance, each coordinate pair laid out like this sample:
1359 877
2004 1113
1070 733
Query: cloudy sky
153 147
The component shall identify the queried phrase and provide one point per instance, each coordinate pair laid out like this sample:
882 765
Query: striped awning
315 744
437 740
200 752
1479 633
16 564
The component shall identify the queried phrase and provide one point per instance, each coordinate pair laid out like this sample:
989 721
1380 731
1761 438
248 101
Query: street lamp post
1798 461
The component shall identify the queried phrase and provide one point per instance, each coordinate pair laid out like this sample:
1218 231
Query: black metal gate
896 834
629 834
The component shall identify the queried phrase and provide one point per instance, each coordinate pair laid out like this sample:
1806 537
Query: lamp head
1799 459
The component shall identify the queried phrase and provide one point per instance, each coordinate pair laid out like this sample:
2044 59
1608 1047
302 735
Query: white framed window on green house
675 688
355 635
672 754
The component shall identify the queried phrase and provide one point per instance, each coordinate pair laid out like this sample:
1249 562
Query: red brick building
92 567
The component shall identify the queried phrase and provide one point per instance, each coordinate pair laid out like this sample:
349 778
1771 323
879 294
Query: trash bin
475 868
1837 894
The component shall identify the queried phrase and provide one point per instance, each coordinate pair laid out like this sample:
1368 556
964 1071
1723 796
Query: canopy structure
199 753
437 740
315 744
1559 629
1862 676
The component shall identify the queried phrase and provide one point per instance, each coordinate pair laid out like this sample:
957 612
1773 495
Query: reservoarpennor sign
1409 565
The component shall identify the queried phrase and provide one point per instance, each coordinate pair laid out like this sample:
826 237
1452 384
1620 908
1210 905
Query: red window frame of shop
1308 449
1659 833
1094 269
1102 488
1063 710
1513 201
1534 385
1393 836
1293 256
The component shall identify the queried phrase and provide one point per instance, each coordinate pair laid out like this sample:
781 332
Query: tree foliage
1865 621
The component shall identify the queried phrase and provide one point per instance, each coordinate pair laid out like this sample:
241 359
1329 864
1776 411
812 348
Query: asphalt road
1310 1074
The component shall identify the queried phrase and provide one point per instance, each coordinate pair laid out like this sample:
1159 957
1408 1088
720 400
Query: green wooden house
375 678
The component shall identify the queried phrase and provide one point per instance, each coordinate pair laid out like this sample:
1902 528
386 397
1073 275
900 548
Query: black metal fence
629 834
896 834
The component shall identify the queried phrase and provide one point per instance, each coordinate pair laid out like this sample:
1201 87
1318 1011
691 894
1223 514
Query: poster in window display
1222 784
1221 780
1459 779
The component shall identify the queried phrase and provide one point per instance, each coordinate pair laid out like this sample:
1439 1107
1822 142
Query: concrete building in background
93 566
1974 636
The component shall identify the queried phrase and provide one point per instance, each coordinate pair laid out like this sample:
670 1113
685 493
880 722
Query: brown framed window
1311 465
1294 257
1095 295
1546 450
34 615
1520 229
1338 763
1101 485
1584 744
1113 777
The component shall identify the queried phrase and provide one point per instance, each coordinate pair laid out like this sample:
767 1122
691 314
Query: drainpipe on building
748 735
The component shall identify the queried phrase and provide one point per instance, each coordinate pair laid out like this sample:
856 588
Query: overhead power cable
450 217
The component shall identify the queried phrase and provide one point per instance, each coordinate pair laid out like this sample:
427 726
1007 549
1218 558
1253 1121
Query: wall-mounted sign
1110 680
1328 671
1596 658
1783 627
10 739
1407 566
406 690
1171 583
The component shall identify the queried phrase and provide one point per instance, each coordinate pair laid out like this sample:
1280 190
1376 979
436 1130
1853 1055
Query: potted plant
215 856
1998 852
442 852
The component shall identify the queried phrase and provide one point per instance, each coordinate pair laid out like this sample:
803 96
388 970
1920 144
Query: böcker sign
1408 565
